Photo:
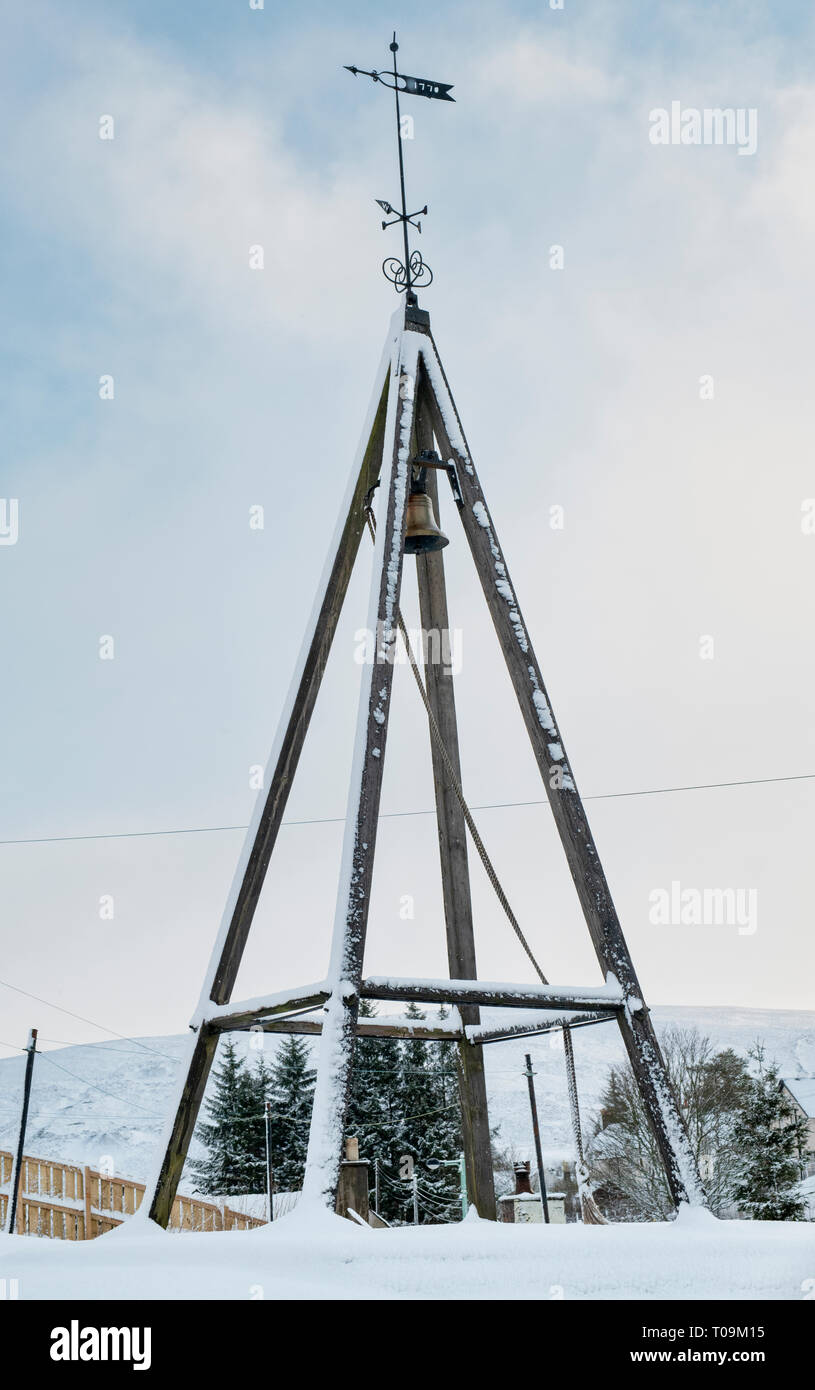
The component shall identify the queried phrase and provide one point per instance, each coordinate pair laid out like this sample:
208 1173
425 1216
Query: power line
48 1058
398 815
90 1021
104 1047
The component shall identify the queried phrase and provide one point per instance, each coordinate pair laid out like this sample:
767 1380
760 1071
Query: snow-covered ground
314 1255
105 1103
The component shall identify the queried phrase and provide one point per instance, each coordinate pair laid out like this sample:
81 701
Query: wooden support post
86 1180
354 895
567 808
263 831
352 1188
455 876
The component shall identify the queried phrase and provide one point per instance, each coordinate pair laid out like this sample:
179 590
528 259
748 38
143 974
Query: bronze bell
421 533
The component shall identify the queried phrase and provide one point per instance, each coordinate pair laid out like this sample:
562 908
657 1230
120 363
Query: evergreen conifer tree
374 1113
230 1166
431 1126
291 1092
771 1137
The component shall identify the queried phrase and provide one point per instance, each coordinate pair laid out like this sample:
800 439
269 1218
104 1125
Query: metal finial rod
413 271
410 297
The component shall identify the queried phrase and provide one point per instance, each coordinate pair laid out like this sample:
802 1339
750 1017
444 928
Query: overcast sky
235 387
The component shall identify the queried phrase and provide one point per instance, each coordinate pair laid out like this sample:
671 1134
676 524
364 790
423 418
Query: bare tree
712 1089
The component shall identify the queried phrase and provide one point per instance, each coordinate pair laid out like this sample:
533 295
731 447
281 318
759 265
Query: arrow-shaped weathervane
414 271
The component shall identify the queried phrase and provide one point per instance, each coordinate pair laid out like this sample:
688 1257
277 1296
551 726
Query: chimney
522 1183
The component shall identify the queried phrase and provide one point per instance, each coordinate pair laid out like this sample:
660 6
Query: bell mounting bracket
428 458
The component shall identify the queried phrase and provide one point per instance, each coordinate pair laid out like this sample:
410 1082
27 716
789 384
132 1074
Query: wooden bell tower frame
411 408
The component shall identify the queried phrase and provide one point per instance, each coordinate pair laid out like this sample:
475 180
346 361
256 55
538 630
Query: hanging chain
591 1213
571 1082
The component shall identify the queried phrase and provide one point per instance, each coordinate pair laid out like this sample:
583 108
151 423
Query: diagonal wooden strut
262 833
356 877
567 808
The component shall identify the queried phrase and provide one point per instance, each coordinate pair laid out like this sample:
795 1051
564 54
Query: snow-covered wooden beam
486 992
373 1028
332 1088
532 1027
569 814
271 804
229 1018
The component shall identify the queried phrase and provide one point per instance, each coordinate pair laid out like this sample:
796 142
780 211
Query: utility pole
31 1048
536 1131
376 1185
269 1173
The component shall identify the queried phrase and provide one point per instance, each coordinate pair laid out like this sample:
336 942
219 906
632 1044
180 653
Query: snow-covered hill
105 1103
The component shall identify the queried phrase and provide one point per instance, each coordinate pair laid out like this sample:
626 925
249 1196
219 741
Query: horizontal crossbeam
262 1011
480 1034
371 1028
235 1017
496 995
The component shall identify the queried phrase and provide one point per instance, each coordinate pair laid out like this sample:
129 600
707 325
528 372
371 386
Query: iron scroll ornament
420 272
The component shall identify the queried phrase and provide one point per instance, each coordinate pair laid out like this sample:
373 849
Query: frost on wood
452 423
502 583
325 1136
684 1162
407 382
262 1003
608 993
337 1039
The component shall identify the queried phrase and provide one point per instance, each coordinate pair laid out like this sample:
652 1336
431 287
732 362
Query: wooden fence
68 1202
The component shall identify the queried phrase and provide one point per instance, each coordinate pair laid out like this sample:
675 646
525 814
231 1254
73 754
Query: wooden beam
452 831
247 1014
366 1028
282 774
484 1035
263 831
497 996
353 900
567 808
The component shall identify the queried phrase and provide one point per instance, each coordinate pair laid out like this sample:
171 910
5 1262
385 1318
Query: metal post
536 1131
415 1197
269 1173
376 1185
31 1048
462 1176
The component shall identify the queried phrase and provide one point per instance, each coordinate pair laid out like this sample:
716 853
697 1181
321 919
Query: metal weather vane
413 271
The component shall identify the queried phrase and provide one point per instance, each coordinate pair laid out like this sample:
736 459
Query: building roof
802 1090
